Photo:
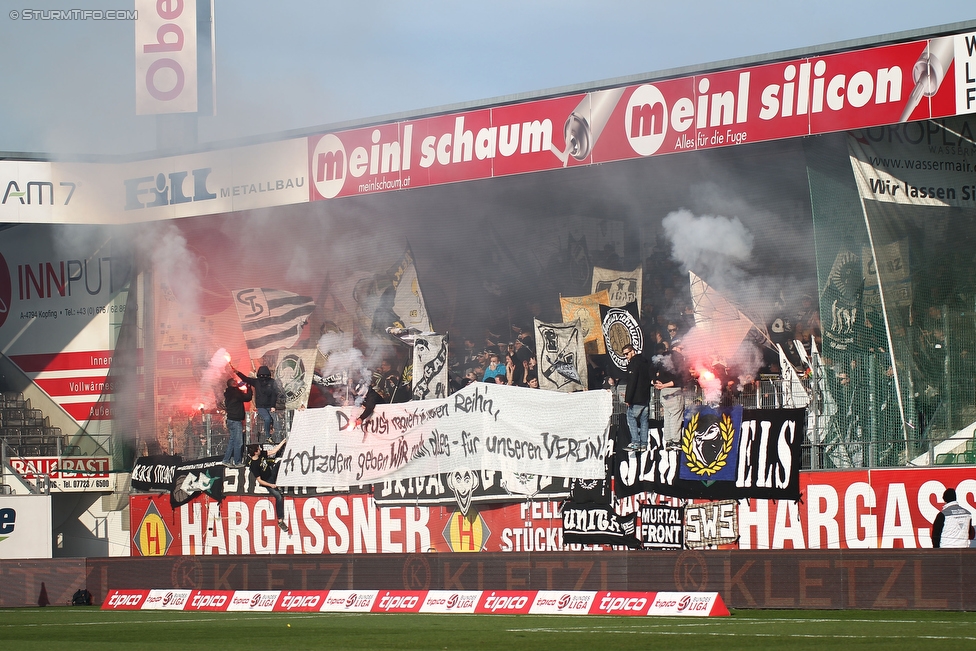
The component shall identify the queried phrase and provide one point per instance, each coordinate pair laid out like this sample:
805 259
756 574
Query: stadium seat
945 459
12 434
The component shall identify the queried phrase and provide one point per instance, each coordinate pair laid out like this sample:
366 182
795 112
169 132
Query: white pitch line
771 635
126 622
764 622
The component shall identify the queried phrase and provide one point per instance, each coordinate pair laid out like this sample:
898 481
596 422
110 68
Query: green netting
897 294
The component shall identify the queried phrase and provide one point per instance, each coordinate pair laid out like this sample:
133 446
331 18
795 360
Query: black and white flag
621 327
764 461
202 476
561 356
711 524
271 318
465 487
662 526
155 472
597 524
623 287
429 367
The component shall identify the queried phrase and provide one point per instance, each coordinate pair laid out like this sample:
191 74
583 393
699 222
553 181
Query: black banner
621 327
158 472
593 524
468 487
155 472
590 491
241 481
767 461
203 476
661 526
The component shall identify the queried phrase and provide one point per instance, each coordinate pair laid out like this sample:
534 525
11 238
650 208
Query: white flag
794 393
623 287
408 302
561 356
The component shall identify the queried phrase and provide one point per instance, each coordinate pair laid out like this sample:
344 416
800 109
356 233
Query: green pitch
81 629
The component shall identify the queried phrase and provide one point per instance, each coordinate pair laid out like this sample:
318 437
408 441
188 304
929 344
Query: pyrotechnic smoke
716 248
342 357
711 245
710 383
214 378
664 361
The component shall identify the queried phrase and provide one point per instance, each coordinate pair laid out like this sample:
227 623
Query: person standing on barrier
669 381
953 526
235 395
266 394
637 397
264 467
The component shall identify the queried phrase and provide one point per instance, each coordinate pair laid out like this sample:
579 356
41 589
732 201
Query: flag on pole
623 287
621 327
561 356
587 310
719 324
271 318
408 302
430 367
794 393
293 371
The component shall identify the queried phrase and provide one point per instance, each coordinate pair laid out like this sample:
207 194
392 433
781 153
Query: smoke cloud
712 246
213 379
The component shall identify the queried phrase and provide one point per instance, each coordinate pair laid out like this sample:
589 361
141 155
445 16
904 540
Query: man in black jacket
267 392
637 397
264 466
235 395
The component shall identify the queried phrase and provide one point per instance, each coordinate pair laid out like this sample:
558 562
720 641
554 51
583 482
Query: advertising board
25 527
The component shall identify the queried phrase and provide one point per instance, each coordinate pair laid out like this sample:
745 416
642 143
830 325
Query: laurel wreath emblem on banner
700 466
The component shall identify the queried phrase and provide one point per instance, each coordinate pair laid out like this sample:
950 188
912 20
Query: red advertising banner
340 524
302 601
621 603
856 89
125 599
67 474
399 601
501 602
210 600
856 509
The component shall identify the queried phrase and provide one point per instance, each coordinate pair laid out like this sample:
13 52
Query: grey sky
69 85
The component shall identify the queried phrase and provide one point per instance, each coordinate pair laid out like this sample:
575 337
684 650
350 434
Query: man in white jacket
953 525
